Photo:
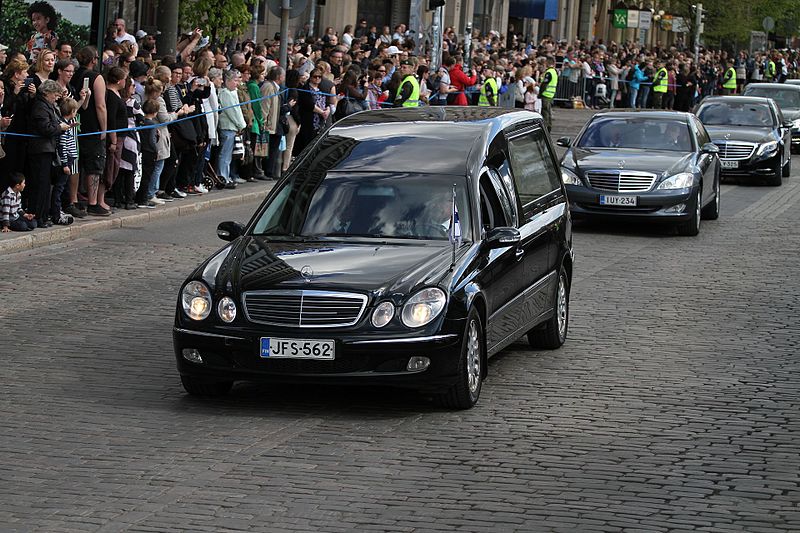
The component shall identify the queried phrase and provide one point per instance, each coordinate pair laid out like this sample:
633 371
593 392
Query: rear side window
532 166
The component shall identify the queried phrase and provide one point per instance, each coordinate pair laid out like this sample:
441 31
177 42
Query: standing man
93 119
489 90
729 79
123 36
408 92
270 107
769 75
548 85
660 83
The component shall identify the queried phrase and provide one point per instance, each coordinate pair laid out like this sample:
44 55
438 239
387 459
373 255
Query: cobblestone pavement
673 406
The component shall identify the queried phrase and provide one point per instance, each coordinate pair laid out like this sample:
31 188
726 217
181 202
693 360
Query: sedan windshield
785 98
735 114
637 132
338 204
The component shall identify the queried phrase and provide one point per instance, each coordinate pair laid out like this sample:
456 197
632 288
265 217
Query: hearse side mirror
710 148
787 123
566 142
229 230
502 237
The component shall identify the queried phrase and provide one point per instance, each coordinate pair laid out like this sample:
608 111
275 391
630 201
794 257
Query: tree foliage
219 19
16 28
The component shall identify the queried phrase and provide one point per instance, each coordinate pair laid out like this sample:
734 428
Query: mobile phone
201 81
28 81
86 83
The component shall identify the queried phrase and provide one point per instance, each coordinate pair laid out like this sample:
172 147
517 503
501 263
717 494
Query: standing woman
314 111
16 103
258 135
43 122
290 99
45 64
64 71
613 81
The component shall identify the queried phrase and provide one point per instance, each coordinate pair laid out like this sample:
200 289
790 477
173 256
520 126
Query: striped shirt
172 97
10 206
68 144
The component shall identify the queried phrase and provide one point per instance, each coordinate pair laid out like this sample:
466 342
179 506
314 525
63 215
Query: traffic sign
297 7
768 23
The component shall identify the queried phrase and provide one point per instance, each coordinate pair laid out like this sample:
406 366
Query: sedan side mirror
229 230
566 142
502 237
787 123
709 148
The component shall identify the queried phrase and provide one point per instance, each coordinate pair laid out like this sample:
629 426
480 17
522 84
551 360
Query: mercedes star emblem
621 163
727 136
307 272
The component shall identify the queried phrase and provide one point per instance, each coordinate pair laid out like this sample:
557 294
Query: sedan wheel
553 333
691 227
787 168
465 392
776 179
711 211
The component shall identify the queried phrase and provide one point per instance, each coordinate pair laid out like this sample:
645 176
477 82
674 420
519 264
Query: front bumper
654 206
235 356
795 140
754 166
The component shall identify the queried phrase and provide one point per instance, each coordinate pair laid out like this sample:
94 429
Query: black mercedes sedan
655 166
787 96
752 137
403 247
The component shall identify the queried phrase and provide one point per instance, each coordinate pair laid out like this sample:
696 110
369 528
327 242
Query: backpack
631 74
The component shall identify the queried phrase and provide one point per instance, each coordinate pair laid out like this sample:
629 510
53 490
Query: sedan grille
304 308
735 150
621 181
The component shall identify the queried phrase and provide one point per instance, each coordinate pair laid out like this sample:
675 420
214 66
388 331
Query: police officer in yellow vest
769 75
660 83
548 85
489 92
729 79
408 92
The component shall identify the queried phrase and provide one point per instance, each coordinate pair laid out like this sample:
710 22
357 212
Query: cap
392 50
407 62
3 48
138 68
141 34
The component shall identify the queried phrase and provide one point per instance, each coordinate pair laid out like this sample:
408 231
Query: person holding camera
459 80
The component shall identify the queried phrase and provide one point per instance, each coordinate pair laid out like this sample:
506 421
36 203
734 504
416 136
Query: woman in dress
314 111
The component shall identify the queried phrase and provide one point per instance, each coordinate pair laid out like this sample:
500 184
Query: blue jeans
152 187
644 93
633 92
226 141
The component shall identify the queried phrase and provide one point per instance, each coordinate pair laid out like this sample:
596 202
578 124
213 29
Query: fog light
192 355
415 364
680 208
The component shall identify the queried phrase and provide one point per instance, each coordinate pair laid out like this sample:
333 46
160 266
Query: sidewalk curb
125 219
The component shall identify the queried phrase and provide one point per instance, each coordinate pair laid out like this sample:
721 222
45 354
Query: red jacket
461 81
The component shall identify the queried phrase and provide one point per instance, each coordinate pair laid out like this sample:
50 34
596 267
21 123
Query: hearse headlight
767 148
796 124
683 180
226 308
423 307
382 314
570 178
196 299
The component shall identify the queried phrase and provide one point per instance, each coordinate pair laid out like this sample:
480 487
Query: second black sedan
752 136
658 166
787 96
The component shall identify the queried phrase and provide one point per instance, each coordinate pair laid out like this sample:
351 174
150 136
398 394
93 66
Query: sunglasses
312 77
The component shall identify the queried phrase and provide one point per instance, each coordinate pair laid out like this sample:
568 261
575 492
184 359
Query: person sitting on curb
12 216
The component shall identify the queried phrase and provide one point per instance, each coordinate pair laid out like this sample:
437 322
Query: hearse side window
532 166
503 196
492 215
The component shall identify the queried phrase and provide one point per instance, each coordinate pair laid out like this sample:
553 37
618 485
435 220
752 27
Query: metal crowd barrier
566 91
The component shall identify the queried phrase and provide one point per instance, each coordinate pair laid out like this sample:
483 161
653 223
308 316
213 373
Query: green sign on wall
620 19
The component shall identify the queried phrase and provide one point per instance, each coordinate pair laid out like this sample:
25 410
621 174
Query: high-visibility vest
413 100
771 69
550 91
730 83
484 99
660 85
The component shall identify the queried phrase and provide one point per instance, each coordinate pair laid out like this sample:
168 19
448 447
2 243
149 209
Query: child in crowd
12 216
130 164
68 157
149 149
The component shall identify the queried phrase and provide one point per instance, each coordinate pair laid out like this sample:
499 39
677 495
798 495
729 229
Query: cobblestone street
673 406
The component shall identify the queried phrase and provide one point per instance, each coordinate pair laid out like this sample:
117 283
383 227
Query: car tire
777 177
465 392
691 227
711 211
553 333
787 168
205 389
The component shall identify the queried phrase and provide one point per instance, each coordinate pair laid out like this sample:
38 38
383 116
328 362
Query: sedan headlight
226 308
196 299
796 124
767 148
382 314
570 178
423 307
678 181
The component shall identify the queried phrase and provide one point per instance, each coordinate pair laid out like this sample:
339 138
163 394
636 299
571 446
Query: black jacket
44 123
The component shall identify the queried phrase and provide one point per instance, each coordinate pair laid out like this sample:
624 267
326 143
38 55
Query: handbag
238 147
261 148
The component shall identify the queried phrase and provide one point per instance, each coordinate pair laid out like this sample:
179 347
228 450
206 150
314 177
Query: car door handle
519 253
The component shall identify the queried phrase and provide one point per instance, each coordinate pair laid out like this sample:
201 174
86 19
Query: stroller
601 95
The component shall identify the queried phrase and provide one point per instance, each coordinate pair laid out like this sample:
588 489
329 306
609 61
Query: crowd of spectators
89 132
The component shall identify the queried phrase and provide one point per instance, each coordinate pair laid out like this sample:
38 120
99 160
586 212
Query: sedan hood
256 263
740 133
656 161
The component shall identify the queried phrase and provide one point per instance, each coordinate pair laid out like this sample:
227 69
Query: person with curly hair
44 19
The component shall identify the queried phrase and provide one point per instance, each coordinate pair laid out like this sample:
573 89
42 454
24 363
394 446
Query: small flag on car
455 223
